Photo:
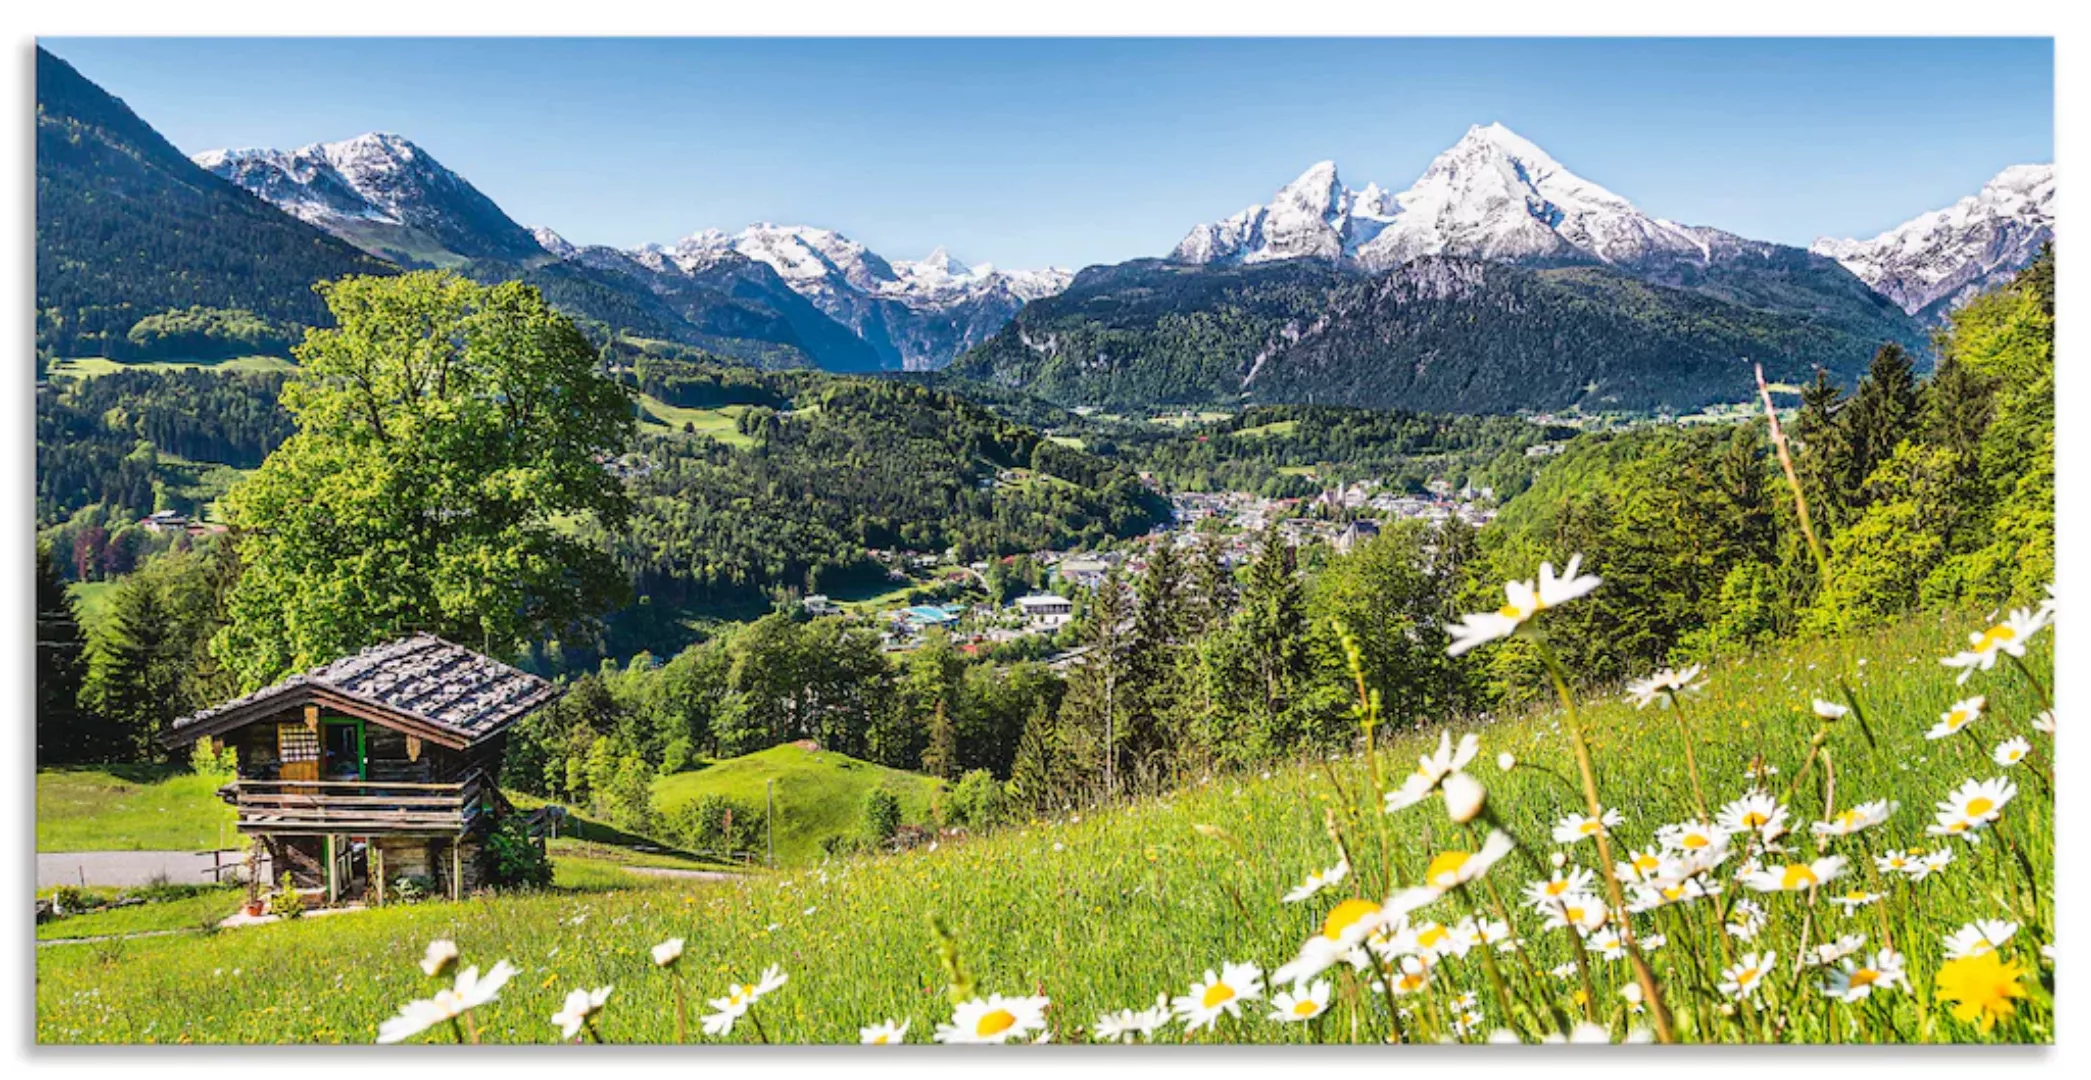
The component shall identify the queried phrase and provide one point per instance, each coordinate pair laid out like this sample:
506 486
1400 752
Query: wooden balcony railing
360 807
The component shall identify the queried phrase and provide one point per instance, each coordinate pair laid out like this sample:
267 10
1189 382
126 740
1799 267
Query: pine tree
1880 415
1034 776
1823 453
1274 617
940 757
61 664
1211 585
136 672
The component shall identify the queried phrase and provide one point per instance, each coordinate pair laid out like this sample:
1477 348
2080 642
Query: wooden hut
376 767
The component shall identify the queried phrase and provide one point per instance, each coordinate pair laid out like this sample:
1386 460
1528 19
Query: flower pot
256 907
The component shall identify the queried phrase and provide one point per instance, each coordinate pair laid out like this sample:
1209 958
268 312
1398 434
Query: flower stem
1657 1010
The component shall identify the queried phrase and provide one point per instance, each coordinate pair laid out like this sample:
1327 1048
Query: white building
1044 611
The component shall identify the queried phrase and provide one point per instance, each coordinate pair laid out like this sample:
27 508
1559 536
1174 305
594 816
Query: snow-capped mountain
917 315
382 193
1931 263
1493 195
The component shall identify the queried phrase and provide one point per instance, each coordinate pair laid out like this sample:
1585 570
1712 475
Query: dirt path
121 868
686 875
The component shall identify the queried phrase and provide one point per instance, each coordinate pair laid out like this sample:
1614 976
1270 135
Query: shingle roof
422 677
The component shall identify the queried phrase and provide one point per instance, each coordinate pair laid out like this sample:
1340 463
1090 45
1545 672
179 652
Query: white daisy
1854 980
1300 1003
1220 994
1795 877
2009 637
580 1005
1977 938
995 1019
1960 715
1317 882
1748 974
1576 827
1856 819
1522 601
469 992
2011 751
886 1033
1665 686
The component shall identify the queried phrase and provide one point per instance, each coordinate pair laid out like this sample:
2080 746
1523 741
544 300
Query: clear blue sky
1073 152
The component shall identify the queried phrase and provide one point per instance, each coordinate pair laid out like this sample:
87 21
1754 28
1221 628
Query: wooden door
297 747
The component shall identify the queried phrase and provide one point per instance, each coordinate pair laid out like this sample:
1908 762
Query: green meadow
819 794
1105 910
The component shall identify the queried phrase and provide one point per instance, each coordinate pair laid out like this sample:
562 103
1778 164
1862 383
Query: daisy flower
995 1019
2011 751
1746 920
2009 637
580 1005
1300 1003
1829 952
1317 882
1222 993
469 992
1126 1024
884 1034
1977 938
1544 896
440 955
1930 863
1856 819
1573 828
1829 711
1665 686
1413 976
1756 812
1691 836
1522 601
1853 980
667 952
1855 899
1432 769
2045 722
1794 877
1979 801
1348 924
1584 913
1744 979
1464 797
740 997
1963 712
1451 869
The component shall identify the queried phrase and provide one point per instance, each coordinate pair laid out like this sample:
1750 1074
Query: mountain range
1496 256
1933 262
809 294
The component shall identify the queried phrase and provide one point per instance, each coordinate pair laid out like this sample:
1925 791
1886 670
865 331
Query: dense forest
1435 334
835 466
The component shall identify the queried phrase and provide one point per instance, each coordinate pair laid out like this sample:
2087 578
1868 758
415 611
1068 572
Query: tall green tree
448 433
135 674
63 732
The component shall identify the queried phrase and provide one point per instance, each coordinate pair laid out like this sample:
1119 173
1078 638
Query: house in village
375 767
1045 611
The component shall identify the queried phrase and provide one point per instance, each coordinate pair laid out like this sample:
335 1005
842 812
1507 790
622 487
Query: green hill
818 794
1103 911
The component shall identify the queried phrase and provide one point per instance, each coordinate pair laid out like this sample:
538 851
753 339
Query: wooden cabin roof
422 684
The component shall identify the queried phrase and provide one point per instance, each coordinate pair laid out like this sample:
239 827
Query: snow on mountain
1934 261
380 192
1492 195
553 242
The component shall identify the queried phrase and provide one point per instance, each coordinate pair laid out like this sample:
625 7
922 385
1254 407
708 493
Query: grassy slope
659 416
129 808
819 794
186 913
1101 913
90 366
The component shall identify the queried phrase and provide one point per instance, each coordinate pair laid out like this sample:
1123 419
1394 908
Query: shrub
409 888
287 901
977 802
511 859
881 815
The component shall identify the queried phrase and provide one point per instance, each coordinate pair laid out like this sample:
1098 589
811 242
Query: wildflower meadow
1846 841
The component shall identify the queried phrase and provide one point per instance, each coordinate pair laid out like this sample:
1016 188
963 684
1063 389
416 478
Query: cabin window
342 739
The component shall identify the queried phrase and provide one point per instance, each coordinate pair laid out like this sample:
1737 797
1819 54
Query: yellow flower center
1304 1007
1696 841
995 1022
1754 819
1510 611
1431 935
1980 805
1412 980
1345 915
1446 866
880 1039
1556 887
1797 876
1748 976
1864 977
1590 825
1993 637
1218 993
1849 819
1673 892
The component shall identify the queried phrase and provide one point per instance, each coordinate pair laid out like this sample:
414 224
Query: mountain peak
1493 194
1936 260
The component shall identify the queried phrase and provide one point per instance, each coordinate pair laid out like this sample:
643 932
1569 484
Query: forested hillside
128 228
1436 335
